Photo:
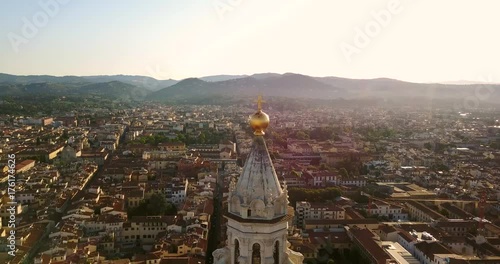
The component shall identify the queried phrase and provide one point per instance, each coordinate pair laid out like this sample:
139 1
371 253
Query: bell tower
258 208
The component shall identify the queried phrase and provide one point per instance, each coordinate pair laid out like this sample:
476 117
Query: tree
301 135
172 248
155 205
444 212
313 195
65 135
440 147
364 170
97 210
364 213
181 138
355 256
343 173
358 198
440 167
428 146
495 145
352 167
322 133
202 138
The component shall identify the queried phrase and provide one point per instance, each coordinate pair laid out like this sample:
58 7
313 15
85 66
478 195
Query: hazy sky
422 40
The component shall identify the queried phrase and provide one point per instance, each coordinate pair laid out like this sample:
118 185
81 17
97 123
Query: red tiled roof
364 238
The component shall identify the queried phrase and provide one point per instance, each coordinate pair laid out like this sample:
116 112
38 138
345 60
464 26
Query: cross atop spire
259 102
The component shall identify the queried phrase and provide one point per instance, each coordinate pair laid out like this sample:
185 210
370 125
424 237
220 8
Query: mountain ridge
288 85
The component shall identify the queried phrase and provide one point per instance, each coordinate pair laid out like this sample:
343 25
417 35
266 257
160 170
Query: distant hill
111 90
139 81
261 76
36 88
114 89
213 89
465 82
291 85
26 79
220 78
148 83
392 89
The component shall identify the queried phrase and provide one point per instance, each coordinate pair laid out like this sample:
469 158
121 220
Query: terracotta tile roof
362 221
431 248
364 239
387 229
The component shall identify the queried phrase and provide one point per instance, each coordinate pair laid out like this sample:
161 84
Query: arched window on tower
256 253
236 251
276 253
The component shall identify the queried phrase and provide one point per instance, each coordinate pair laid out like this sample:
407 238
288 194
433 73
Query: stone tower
257 209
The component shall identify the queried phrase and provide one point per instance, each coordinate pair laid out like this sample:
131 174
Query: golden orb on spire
260 120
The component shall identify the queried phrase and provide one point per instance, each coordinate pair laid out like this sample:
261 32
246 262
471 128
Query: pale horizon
422 42
454 82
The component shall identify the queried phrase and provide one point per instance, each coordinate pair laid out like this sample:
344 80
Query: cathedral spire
257 216
258 193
